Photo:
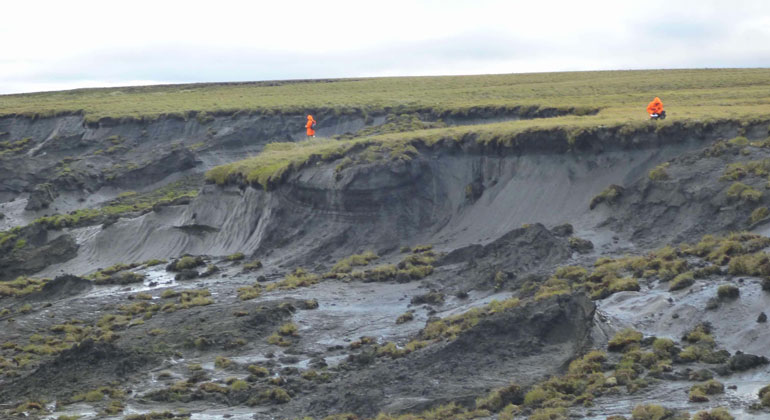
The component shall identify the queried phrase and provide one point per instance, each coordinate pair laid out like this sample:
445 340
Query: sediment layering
404 265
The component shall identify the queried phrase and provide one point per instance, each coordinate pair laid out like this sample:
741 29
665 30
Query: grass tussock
296 279
659 173
743 192
21 286
357 260
609 195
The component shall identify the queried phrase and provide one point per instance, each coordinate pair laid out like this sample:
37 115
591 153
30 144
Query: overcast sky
52 45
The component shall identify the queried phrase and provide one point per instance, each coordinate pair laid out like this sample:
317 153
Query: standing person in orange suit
310 126
655 109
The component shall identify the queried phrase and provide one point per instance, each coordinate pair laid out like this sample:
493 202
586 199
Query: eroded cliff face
499 220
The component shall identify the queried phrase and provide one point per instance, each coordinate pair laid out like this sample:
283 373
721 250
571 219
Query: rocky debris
41 197
762 318
741 361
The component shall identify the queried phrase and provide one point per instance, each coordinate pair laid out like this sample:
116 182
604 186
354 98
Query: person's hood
310 117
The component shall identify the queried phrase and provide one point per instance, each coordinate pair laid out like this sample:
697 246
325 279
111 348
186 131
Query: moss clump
624 339
608 195
499 398
252 265
728 291
121 278
654 412
154 262
277 340
710 387
238 256
739 141
700 334
213 388
414 266
431 298
663 347
222 362
756 264
682 281
764 396
309 304
274 395
718 413
249 292
258 371
187 262
405 317
549 413
21 286
448 411
741 191
31 407
659 173
562 282
296 279
239 385
759 213
153 415
357 260
186 299
740 170
288 329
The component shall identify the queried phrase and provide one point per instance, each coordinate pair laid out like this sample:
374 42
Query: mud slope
447 198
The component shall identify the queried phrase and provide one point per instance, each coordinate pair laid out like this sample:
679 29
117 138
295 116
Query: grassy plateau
591 100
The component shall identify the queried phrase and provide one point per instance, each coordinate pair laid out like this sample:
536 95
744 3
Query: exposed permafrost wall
449 198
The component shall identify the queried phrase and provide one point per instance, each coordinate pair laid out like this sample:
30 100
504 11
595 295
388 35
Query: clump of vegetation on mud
21 286
417 265
608 195
659 173
186 262
741 252
346 265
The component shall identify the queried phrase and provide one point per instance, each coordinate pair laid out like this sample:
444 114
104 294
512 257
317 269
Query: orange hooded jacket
655 107
309 125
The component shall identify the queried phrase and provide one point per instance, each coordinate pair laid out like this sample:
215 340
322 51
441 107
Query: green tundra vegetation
577 101
618 105
739 253
618 94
